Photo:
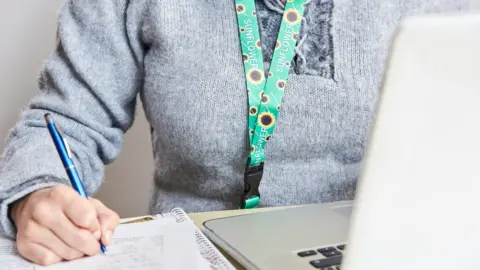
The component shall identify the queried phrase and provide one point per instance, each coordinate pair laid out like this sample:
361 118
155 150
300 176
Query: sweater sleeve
89 85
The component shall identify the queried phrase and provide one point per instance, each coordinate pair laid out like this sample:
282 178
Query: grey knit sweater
183 59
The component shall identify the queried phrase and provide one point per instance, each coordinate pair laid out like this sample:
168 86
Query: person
184 59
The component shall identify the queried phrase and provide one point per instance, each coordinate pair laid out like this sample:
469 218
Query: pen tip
104 249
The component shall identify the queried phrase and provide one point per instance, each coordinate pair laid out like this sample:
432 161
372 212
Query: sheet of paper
9 257
143 246
148 245
203 264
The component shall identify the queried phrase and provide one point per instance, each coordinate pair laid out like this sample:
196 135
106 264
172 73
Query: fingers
108 219
37 253
78 209
37 234
80 239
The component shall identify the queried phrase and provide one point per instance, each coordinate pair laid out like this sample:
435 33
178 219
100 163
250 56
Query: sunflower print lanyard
265 91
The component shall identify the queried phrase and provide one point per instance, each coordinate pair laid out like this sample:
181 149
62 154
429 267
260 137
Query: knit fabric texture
183 59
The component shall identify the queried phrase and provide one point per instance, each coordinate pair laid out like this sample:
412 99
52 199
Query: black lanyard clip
251 196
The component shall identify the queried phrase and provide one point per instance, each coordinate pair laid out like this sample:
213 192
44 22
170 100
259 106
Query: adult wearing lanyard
251 103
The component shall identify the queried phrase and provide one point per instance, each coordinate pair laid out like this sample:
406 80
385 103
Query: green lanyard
265 91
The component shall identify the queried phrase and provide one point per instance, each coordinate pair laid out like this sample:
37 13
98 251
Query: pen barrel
75 181
58 142
66 161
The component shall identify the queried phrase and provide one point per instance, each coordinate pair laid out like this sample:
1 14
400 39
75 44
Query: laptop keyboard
332 257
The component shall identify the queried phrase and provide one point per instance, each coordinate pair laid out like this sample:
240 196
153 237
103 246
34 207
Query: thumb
108 220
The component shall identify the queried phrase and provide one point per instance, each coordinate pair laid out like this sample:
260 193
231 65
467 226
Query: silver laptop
417 204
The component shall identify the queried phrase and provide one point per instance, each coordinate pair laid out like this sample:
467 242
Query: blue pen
66 156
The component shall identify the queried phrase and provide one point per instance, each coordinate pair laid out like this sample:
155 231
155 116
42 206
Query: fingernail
107 237
97 234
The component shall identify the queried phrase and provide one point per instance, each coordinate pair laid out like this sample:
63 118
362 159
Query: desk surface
199 218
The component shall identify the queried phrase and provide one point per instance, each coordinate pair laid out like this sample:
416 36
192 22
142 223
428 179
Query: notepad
165 242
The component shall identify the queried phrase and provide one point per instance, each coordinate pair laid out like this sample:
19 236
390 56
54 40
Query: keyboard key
307 253
341 247
331 253
325 249
326 262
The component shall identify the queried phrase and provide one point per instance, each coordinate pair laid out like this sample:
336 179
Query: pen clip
67 146
65 143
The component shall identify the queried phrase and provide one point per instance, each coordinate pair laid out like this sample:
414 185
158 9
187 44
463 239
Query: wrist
15 208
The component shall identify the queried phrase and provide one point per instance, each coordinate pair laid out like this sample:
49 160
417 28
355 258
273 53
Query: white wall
475 4
27 37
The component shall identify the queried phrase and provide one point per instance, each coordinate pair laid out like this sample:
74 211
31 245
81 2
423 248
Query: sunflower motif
240 9
255 76
266 119
265 99
294 36
292 16
253 110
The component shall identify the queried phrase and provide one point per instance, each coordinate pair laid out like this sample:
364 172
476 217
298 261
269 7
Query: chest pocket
314 52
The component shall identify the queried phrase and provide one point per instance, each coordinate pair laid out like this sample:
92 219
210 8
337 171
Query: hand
55 224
